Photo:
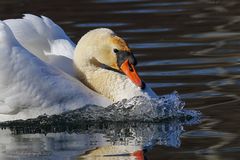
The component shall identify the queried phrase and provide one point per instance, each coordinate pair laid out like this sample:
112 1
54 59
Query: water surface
190 46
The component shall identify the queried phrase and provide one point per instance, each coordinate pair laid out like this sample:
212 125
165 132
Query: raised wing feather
45 39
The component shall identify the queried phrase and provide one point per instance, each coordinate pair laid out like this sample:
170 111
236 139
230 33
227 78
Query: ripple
146 11
205 133
190 72
164 4
146 30
212 35
154 85
165 45
107 24
114 1
190 61
203 94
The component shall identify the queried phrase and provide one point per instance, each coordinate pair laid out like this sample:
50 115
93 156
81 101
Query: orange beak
131 73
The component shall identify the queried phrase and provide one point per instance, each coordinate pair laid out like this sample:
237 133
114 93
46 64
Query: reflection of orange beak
131 73
138 154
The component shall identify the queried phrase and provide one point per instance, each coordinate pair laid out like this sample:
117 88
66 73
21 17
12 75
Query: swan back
6 37
39 34
45 39
30 87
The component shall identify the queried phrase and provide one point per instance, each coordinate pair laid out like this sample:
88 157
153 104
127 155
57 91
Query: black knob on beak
132 60
122 56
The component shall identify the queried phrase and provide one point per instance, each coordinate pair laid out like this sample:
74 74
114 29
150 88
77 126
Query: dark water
189 46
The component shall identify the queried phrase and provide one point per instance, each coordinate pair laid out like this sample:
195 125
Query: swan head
102 47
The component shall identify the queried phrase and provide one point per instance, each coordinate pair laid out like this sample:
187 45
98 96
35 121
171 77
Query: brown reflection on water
191 46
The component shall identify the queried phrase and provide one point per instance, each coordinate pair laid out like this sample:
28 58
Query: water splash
136 109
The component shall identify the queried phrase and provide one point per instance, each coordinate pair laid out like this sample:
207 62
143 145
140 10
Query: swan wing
30 87
45 39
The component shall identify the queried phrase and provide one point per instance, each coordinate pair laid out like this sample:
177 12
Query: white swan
30 87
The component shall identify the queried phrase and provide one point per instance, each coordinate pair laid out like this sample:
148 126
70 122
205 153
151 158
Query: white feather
30 87
45 39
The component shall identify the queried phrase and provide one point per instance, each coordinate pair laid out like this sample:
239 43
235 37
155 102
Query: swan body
29 87
39 65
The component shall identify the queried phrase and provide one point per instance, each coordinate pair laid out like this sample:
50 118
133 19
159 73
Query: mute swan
31 86
87 62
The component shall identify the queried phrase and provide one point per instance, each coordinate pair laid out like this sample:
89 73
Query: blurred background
191 46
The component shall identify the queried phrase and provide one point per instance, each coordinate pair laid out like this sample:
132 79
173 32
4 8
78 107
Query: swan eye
115 50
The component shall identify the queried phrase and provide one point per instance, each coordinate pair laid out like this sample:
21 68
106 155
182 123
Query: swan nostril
130 68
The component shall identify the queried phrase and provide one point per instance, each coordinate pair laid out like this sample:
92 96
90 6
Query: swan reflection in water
90 141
